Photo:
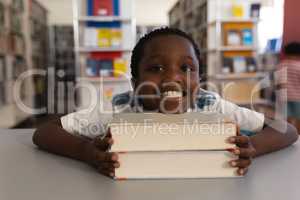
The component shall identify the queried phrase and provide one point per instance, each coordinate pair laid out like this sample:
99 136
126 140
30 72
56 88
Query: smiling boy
166 70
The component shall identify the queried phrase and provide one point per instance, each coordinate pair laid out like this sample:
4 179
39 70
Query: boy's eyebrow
155 56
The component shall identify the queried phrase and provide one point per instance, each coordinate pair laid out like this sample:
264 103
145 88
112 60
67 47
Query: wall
271 22
153 12
148 12
60 11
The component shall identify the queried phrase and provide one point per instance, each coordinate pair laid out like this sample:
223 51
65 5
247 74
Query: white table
27 173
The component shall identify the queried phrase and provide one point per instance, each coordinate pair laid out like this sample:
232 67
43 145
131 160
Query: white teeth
172 94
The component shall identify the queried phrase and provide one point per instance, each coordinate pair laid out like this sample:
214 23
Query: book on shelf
90 37
2 69
247 37
2 94
103 7
239 64
251 64
116 37
169 144
238 10
120 67
255 10
104 37
105 68
233 38
92 68
2 16
227 65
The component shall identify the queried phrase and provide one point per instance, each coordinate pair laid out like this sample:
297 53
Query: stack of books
155 146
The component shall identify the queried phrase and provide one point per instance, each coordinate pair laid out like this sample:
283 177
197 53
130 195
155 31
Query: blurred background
52 51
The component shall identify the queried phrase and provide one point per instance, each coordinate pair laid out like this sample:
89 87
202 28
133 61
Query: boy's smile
168 75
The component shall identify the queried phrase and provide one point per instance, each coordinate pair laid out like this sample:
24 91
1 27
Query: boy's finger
247 152
106 157
109 165
106 172
242 171
103 144
240 163
108 134
239 140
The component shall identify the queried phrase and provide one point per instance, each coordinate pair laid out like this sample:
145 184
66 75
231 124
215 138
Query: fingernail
231 139
236 151
233 163
241 171
117 165
231 150
114 157
110 141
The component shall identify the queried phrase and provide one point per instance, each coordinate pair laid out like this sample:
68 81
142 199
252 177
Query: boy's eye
156 68
187 68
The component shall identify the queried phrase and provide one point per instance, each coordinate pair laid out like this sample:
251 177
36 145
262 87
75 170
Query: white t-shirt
93 122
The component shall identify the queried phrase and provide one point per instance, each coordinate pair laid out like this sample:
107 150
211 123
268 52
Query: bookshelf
39 50
15 58
12 60
104 35
63 59
226 32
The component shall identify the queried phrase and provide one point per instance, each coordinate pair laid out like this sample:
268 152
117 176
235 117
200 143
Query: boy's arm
269 139
53 138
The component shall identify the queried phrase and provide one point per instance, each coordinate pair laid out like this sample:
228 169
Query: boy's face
168 75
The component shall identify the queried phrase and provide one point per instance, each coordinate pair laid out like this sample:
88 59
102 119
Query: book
239 64
156 146
104 37
103 7
255 10
160 132
90 37
247 37
227 65
182 164
251 64
2 69
116 7
116 37
92 68
90 8
238 10
120 67
2 16
105 68
233 38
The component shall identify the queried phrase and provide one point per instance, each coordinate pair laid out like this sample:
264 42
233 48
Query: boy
165 70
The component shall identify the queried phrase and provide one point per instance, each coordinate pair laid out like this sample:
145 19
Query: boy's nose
172 76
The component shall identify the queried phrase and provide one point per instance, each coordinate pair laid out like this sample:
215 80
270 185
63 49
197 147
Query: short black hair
138 51
292 48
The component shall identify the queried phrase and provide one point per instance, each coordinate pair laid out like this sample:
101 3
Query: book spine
116 5
90 7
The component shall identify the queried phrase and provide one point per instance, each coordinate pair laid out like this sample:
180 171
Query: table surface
27 173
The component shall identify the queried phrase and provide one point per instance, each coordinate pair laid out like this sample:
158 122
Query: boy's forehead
169 43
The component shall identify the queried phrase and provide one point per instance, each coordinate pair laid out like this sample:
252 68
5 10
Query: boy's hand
96 154
244 150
